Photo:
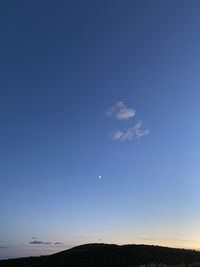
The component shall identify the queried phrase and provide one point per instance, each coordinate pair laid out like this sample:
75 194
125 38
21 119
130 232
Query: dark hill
96 255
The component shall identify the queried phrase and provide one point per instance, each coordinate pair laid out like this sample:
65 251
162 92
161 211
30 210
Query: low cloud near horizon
39 242
58 243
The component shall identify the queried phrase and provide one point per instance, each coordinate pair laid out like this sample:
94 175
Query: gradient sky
77 80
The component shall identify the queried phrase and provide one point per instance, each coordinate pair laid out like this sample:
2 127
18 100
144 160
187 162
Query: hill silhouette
103 255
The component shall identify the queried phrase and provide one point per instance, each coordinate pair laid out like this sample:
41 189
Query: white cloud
135 132
121 112
116 135
139 131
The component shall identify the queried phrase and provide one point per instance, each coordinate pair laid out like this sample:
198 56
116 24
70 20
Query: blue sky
93 88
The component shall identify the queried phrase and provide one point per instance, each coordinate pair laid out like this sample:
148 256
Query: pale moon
99 176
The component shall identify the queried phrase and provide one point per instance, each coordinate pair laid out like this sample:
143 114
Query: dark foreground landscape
112 255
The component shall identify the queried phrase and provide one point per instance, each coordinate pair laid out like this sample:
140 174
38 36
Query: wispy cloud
38 242
120 111
116 135
58 243
135 132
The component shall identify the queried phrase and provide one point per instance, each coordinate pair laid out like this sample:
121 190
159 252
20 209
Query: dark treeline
96 255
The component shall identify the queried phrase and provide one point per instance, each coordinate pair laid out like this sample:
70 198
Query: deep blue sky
64 66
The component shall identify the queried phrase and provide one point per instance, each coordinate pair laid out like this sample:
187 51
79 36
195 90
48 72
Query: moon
99 176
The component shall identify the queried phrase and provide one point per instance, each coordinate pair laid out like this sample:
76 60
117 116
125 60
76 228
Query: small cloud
58 243
121 112
135 132
38 242
116 135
